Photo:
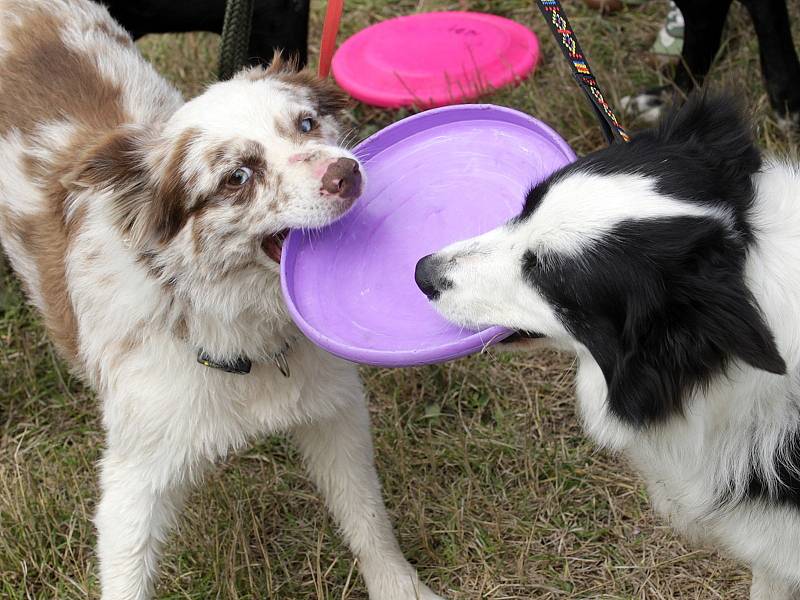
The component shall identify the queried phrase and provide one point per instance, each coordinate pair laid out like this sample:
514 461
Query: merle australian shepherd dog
147 233
671 266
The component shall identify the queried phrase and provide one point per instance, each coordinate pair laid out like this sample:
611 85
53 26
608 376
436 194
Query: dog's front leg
779 63
338 455
704 22
139 500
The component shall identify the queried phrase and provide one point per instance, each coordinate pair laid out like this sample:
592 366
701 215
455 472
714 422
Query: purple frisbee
432 179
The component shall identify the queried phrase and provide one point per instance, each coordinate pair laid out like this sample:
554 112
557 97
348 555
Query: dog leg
767 587
779 62
132 520
703 23
339 458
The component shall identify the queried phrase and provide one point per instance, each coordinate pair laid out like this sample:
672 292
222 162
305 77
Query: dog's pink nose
342 178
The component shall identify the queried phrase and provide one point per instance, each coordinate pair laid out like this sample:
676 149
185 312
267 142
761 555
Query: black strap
235 41
240 366
559 25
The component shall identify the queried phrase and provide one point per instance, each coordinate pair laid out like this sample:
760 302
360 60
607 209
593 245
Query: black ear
714 127
745 335
685 322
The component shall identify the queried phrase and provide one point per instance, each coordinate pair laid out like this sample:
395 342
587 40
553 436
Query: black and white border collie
671 266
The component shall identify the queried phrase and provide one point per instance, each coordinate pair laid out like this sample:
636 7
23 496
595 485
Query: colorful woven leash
557 19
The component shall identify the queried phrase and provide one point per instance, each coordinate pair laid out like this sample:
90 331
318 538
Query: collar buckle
281 362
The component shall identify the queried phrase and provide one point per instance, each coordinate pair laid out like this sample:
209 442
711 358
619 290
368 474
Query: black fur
787 468
662 304
702 152
277 24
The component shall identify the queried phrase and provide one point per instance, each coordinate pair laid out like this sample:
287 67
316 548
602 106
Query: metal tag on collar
282 363
240 366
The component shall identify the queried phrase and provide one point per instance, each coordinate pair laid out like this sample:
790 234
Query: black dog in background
277 24
703 23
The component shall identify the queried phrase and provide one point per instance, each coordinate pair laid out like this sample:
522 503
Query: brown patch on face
173 191
327 97
285 129
276 185
253 157
45 80
225 158
290 130
323 93
215 155
222 159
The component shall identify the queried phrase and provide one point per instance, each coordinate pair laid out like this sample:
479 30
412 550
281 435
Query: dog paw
423 592
401 588
418 591
648 105
789 122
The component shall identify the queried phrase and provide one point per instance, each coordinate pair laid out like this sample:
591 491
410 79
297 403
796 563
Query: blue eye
240 176
308 124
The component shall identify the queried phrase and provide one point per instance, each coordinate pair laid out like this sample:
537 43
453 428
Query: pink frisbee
432 179
433 59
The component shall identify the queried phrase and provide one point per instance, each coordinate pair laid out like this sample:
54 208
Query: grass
494 490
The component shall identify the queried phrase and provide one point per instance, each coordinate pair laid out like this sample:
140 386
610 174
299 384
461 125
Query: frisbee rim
397 98
377 143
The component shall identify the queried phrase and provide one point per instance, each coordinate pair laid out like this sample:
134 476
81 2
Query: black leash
235 40
559 25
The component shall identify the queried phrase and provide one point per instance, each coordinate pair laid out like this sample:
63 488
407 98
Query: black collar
242 364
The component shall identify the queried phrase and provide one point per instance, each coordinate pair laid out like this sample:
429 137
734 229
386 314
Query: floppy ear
687 323
144 207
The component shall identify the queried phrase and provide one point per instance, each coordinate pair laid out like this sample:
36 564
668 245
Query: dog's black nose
428 277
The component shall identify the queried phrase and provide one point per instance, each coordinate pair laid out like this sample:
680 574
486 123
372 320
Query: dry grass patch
493 488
